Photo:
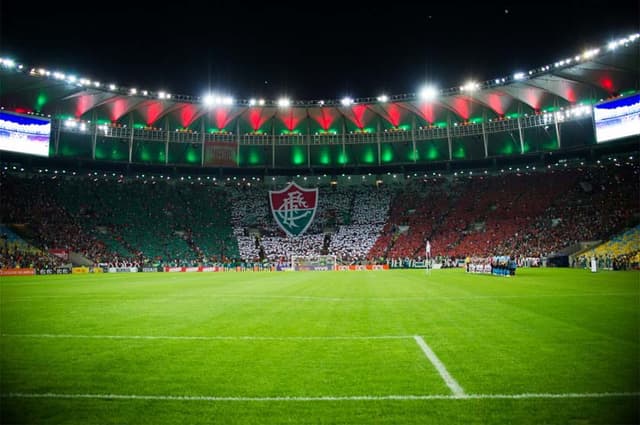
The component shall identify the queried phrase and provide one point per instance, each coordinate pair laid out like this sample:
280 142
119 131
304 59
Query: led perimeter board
617 119
24 134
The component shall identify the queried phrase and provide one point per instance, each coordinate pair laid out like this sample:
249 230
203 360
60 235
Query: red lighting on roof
187 115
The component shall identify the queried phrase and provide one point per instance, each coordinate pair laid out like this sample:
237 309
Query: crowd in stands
528 215
621 252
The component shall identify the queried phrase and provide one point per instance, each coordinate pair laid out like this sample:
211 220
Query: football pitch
386 347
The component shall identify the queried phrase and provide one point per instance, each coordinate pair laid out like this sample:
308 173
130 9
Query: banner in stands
363 267
221 154
293 208
123 269
80 270
151 269
60 253
57 270
17 272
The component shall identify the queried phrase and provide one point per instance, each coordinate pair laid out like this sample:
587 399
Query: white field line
442 370
524 396
205 338
94 297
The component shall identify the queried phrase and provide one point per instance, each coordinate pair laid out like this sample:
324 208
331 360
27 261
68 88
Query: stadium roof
586 78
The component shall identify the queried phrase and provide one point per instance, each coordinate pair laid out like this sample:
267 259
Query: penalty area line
453 385
524 396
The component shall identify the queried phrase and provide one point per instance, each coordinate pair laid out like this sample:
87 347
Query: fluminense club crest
294 208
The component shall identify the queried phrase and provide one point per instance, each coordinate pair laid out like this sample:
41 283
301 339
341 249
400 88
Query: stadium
458 255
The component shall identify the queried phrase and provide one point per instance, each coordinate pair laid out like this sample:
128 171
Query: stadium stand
113 219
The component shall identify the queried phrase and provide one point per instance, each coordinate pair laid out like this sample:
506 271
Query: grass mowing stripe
206 338
524 396
442 370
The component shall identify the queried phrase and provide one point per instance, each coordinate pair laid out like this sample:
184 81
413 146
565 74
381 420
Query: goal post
314 262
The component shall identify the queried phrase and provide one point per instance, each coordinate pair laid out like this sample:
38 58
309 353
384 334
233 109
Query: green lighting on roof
476 120
286 132
138 126
440 124
368 155
325 156
102 122
387 154
507 148
413 155
298 155
343 158
192 156
254 157
513 115
459 153
432 153
40 101
145 155
405 127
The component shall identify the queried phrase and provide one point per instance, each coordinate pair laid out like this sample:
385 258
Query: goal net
313 262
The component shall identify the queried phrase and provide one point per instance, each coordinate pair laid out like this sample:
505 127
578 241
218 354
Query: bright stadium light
261 102
428 93
284 102
8 63
208 100
383 98
162 95
346 101
133 91
518 76
252 102
227 101
470 86
112 87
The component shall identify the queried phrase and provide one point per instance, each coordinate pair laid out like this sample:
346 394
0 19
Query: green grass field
396 347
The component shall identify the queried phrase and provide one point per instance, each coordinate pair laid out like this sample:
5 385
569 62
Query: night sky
305 50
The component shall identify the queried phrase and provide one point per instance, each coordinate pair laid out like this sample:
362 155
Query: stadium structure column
202 140
520 129
166 143
449 136
273 142
413 139
308 139
238 141
344 146
94 136
57 136
131 137
485 140
378 141
557 126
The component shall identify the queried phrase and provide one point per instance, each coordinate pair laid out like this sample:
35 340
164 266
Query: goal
313 262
